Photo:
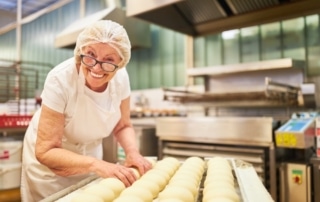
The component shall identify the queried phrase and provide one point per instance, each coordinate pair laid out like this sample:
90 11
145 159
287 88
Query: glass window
313 44
213 50
250 44
271 41
231 46
293 39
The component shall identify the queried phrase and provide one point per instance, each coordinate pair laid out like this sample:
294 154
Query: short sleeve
53 95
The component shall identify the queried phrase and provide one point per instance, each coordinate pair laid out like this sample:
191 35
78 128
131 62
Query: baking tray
251 190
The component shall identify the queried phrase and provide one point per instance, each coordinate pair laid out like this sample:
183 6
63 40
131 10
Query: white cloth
88 121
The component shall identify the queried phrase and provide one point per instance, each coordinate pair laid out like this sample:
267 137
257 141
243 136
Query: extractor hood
203 17
138 30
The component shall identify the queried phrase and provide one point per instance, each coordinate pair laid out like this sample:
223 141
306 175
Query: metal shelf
284 63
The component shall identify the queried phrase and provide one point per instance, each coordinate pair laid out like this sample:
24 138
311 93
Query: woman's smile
96 75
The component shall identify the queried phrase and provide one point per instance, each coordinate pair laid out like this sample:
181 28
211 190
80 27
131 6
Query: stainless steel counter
144 122
238 130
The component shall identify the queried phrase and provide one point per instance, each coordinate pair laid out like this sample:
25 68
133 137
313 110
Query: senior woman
85 99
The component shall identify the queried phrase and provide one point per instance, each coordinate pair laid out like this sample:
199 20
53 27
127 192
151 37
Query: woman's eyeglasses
91 62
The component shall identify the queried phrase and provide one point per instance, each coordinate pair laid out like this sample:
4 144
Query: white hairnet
105 31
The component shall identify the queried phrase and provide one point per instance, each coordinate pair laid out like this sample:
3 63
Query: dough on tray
171 192
114 184
139 192
218 199
157 178
128 199
151 160
136 172
186 184
216 185
106 194
85 197
148 184
171 200
222 192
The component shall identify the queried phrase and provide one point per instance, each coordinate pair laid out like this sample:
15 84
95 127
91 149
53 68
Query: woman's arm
125 135
48 146
48 151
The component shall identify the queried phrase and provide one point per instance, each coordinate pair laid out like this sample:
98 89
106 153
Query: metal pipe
18 51
82 8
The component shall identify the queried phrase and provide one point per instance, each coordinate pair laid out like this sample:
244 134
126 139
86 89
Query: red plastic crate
15 121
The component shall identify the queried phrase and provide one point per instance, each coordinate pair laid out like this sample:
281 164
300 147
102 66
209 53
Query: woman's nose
97 66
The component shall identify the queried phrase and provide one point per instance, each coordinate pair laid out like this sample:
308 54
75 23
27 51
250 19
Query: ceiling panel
28 6
8 9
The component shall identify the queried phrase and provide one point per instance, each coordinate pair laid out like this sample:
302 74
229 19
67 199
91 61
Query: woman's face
96 78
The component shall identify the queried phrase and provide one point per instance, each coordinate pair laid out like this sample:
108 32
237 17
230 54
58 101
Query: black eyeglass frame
98 62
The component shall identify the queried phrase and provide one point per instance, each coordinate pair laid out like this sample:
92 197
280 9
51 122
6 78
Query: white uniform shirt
65 92
60 89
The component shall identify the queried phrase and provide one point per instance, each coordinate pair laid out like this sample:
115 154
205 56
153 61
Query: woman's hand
125 135
105 169
136 160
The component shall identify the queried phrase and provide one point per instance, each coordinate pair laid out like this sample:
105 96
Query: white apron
83 134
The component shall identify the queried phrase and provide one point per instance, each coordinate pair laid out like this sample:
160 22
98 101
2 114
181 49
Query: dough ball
136 172
191 178
185 176
168 167
172 160
186 184
171 192
140 192
85 197
156 178
101 191
196 167
216 185
171 200
219 199
222 193
151 160
163 173
114 184
219 161
195 160
127 199
194 172
219 178
217 168
148 184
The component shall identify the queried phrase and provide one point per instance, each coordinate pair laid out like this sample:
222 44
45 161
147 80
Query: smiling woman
85 99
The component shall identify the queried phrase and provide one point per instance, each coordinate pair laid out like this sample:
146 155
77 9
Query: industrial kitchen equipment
295 140
247 138
243 105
